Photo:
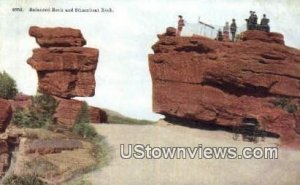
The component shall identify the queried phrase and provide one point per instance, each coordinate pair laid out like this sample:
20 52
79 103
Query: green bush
287 105
40 114
82 126
8 87
23 180
281 102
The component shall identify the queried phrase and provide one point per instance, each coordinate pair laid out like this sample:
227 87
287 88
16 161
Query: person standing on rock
233 29
226 31
180 25
264 24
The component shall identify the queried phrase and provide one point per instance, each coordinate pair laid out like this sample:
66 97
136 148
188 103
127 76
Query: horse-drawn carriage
250 129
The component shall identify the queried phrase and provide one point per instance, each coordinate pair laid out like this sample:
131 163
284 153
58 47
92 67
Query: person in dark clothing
264 24
233 29
250 21
220 35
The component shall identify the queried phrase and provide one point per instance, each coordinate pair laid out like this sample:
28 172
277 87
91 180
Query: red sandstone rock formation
97 115
221 82
57 37
67 112
63 69
5 117
21 101
5 114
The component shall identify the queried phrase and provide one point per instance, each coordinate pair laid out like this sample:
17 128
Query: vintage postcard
157 92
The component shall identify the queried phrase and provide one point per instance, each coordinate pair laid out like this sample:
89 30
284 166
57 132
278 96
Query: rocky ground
284 170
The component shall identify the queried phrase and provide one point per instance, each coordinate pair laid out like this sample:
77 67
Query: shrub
82 126
23 180
281 102
40 114
287 105
8 87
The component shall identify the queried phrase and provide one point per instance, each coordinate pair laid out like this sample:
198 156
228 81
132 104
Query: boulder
263 36
65 72
5 114
171 31
214 82
97 115
57 37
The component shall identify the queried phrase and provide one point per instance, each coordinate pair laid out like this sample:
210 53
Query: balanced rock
214 82
64 71
57 37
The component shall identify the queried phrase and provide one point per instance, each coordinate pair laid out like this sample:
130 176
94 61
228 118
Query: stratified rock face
5 114
67 112
57 37
97 115
221 82
64 71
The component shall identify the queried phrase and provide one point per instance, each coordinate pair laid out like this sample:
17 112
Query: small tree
8 87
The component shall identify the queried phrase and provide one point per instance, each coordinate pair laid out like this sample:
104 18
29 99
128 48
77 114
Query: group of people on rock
251 25
226 29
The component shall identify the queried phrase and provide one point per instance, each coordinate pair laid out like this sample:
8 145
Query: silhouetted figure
180 25
219 35
233 29
264 24
252 21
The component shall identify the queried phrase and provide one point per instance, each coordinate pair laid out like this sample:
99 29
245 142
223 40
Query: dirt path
285 170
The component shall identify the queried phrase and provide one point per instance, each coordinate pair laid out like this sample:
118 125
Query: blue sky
124 39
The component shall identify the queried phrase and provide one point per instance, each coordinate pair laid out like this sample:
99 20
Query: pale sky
124 39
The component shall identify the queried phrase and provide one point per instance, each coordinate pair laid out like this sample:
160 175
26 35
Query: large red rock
5 114
57 37
67 112
221 82
65 72
97 115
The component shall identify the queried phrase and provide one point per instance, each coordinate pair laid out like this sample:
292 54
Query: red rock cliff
221 82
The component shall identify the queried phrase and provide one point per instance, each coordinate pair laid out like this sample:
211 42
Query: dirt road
285 170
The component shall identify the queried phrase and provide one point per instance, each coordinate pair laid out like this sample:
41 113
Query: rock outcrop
5 117
65 69
21 101
5 114
97 115
67 112
220 83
